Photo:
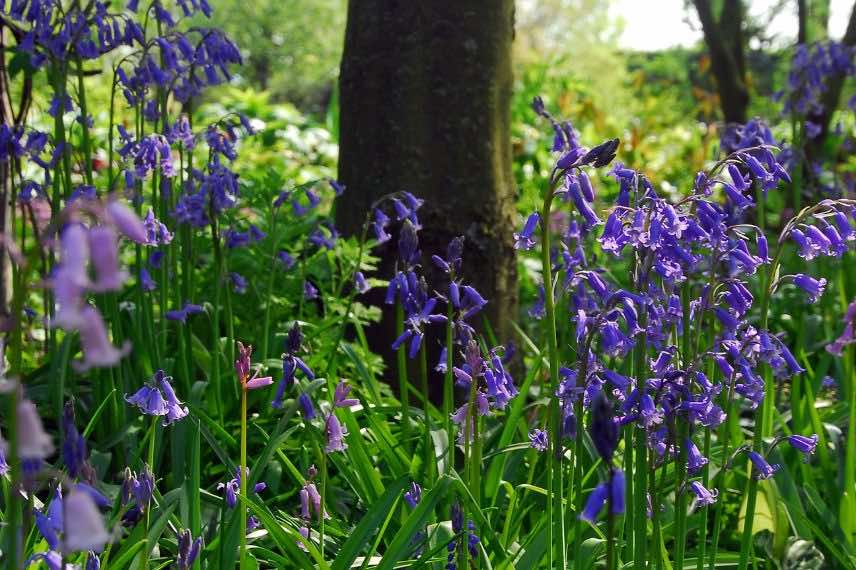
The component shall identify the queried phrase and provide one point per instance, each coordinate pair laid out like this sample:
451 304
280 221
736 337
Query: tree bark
726 46
425 93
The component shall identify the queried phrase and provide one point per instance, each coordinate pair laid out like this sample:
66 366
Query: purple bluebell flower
379 225
336 433
408 244
188 550
803 444
340 397
695 460
613 490
442 361
523 240
763 469
84 529
813 287
307 405
360 283
232 487
242 370
98 352
310 292
286 259
158 399
413 495
239 284
848 335
291 363
146 282
74 452
127 221
104 254
33 441
604 431
538 439
703 496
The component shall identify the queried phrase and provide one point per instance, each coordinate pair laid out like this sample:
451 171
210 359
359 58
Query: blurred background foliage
661 104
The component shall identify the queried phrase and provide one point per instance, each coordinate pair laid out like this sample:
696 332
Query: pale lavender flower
340 397
104 250
336 433
84 528
98 352
34 443
127 221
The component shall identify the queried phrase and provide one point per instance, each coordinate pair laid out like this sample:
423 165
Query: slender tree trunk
726 46
7 201
425 93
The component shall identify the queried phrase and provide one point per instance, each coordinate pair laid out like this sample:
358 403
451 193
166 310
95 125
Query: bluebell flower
307 405
336 433
158 399
703 496
763 469
538 439
813 287
523 240
74 452
803 444
188 550
413 495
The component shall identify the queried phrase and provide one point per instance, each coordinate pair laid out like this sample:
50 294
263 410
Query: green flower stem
243 477
402 371
430 472
85 138
765 410
554 498
449 390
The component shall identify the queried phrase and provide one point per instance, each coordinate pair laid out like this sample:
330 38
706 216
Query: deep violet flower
703 495
538 439
188 550
813 287
803 444
232 487
158 399
613 490
523 240
763 469
413 495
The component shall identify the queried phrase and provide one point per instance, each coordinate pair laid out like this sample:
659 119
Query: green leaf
402 541
369 522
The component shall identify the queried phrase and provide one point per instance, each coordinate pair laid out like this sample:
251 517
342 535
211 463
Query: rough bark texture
726 46
425 92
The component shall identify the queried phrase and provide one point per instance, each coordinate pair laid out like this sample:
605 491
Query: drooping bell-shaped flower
336 433
33 441
104 250
98 351
127 221
84 525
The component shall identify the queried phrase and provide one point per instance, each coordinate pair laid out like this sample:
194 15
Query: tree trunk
726 46
425 92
